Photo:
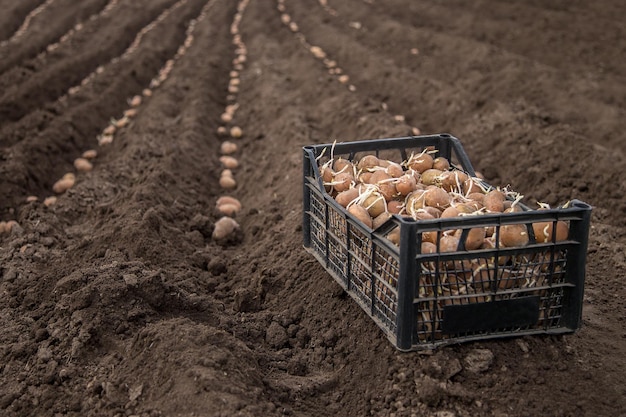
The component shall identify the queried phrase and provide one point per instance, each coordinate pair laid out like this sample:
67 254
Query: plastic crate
422 301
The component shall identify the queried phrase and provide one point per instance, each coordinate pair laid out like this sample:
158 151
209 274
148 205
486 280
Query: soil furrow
50 26
48 85
593 101
14 16
56 51
82 117
39 119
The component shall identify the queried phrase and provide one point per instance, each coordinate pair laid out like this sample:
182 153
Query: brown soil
116 300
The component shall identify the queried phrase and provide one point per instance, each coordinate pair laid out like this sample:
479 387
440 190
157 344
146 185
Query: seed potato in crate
434 254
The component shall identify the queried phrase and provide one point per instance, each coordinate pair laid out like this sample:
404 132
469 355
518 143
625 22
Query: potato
378 176
494 201
368 162
90 154
228 200
428 247
448 243
229 210
342 181
380 219
420 162
395 206
544 231
475 237
422 214
64 183
342 164
429 237
450 212
437 197
8 226
405 184
394 236
227 180
228 147
441 163
431 177
513 235
435 212
375 204
415 200
236 132
229 162
471 185
224 227
346 197
361 214
82 165
394 170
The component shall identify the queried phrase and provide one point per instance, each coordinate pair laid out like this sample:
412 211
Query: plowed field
117 301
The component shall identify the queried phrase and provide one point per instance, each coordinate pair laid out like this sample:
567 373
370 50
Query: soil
117 301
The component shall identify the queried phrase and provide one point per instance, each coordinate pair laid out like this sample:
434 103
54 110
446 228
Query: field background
115 301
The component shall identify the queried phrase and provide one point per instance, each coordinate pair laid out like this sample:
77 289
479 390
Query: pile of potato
427 187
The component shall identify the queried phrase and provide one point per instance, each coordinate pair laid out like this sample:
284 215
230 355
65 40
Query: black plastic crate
421 300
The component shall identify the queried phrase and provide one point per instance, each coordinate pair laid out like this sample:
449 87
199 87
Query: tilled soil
118 302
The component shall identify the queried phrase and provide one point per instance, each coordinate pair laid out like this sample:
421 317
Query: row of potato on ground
426 187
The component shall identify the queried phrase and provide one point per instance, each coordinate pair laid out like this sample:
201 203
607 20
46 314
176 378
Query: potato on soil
7 227
224 228
90 154
82 165
229 162
228 147
64 183
228 200
229 210
236 132
227 181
